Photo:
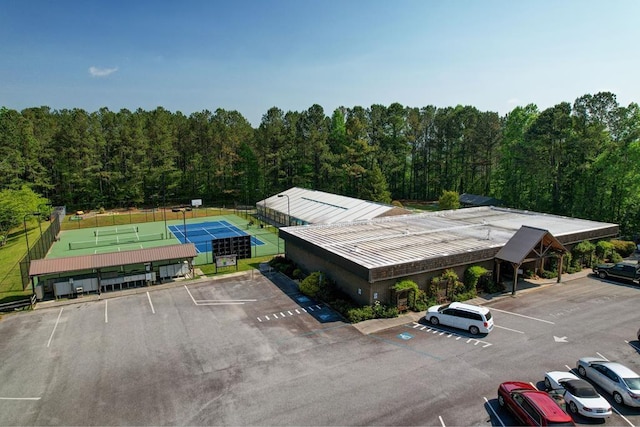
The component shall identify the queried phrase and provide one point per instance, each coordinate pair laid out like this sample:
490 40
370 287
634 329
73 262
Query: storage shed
69 276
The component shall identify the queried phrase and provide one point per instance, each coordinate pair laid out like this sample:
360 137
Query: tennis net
116 240
207 231
114 231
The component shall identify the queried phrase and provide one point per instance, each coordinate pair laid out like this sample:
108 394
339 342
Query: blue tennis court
202 233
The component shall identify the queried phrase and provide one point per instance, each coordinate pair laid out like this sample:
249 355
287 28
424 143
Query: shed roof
318 207
89 262
518 248
478 200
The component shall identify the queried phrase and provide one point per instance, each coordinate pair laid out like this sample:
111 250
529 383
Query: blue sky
250 55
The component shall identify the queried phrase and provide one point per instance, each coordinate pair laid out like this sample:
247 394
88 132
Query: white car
473 318
615 378
579 396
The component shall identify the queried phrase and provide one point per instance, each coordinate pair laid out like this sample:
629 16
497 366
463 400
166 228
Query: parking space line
288 313
622 416
440 332
55 326
441 421
522 315
192 298
508 329
106 316
20 398
494 412
217 301
153 310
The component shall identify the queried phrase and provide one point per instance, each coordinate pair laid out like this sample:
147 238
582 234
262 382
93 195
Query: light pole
288 208
184 220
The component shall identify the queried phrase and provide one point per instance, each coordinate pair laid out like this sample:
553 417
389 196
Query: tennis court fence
116 240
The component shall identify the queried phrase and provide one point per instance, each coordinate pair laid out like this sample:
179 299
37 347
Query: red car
531 406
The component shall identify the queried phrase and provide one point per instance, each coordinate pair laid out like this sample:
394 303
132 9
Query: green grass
10 255
243 265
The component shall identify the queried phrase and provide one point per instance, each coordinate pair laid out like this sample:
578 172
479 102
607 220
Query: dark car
627 270
531 406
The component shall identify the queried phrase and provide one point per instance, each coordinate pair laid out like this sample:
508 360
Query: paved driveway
252 351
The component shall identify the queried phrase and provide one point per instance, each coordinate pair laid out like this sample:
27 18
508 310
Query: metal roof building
299 206
365 258
67 276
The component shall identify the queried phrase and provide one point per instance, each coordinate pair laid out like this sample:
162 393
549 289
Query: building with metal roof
300 206
366 258
67 276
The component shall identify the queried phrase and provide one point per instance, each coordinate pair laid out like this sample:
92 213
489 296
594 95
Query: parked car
531 406
579 396
472 318
613 377
626 270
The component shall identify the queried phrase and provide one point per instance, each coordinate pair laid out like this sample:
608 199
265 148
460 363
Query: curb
376 325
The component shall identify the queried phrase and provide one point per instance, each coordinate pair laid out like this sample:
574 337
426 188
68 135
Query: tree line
580 159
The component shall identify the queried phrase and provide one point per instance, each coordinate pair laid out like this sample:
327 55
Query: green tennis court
87 241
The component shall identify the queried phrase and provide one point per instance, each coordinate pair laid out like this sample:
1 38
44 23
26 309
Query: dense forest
580 160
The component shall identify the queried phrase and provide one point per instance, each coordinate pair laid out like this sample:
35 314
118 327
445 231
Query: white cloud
101 72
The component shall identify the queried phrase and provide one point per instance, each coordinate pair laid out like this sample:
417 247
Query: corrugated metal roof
524 241
393 240
89 262
318 207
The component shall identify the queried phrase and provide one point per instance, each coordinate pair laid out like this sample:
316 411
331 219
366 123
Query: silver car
615 378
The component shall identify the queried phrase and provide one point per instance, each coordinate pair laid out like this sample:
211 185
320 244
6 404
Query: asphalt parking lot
250 350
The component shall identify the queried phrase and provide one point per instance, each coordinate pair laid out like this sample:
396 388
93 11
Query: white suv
472 318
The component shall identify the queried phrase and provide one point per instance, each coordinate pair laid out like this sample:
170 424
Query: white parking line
54 327
601 356
153 310
19 398
106 317
623 417
508 329
522 315
494 412
441 421
218 301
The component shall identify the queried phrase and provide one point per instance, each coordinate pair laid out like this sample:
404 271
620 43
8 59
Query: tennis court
202 233
87 241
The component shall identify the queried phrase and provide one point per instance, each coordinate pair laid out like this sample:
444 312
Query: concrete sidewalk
524 285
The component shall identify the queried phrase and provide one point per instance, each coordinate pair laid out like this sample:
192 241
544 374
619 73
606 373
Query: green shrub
367 312
604 250
310 286
584 252
615 257
623 247
548 274
355 315
283 265
464 296
472 276
297 273
412 287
